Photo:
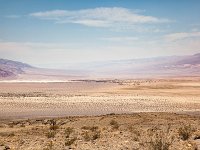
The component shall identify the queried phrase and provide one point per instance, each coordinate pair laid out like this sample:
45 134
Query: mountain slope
9 68
14 70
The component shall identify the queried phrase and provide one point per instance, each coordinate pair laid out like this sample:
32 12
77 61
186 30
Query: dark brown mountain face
10 68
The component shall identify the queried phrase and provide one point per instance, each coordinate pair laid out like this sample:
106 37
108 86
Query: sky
50 33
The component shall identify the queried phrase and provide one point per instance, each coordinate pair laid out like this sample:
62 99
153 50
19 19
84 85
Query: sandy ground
19 100
139 131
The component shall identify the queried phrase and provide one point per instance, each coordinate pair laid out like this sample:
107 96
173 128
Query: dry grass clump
11 134
92 133
160 142
10 125
49 146
7 134
158 139
197 137
135 133
91 136
51 134
111 114
22 125
114 124
86 136
185 132
70 141
93 128
4 147
96 135
53 125
68 131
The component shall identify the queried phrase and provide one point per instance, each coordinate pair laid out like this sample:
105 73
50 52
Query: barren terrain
139 131
139 114
97 97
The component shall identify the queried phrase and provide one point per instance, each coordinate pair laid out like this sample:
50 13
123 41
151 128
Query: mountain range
187 65
9 68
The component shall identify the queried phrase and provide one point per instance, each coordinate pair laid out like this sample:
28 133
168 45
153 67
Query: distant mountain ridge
146 67
12 68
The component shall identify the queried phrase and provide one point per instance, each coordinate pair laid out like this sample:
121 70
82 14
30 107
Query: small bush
159 143
7 134
197 137
134 131
11 134
51 134
111 114
53 125
159 139
96 135
93 128
185 132
86 136
92 134
68 131
22 125
114 124
70 141
49 146
11 125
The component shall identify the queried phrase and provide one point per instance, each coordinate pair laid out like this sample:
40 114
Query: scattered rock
4 147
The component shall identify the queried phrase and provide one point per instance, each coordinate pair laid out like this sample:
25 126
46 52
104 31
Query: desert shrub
135 133
111 114
114 124
51 134
185 132
11 125
93 128
96 135
53 125
197 137
86 136
2 126
7 134
68 131
92 134
158 139
159 143
22 125
49 146
11 134
70 141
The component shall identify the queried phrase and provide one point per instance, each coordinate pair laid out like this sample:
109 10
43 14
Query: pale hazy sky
47 33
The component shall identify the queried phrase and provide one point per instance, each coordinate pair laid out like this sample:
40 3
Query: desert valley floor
101 114
96 97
